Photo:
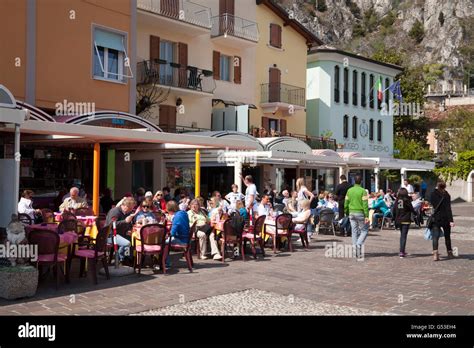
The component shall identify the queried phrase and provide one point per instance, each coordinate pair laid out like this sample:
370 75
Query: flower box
18 281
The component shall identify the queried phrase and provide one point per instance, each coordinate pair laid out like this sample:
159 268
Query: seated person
180 224
144 212
286 197
241 209
74 201
184 201
25 206
123 221
417 202
292 203
264 208
202 224
159 201
331 203
233 197
303 216
381 209
215 212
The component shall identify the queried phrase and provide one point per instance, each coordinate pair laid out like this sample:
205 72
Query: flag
396 90
379 89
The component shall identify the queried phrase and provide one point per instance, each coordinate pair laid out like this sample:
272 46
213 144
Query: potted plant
326 135
17 278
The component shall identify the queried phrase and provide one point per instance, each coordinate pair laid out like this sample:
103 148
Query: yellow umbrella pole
197 187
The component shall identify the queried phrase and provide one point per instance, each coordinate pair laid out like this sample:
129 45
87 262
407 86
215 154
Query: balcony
317 143
233 31
181 16
283 97
184 79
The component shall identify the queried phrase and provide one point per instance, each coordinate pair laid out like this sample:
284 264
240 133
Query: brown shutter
237 70
183 61
283 127
167 120
278 30
266 123
216 65
274 85
273 34
222 7
154 47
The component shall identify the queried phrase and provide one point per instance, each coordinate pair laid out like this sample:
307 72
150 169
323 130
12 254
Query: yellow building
280 71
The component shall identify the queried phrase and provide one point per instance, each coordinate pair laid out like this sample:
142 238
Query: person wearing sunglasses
159 200
145 212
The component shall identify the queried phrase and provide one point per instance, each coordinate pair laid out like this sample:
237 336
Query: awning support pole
96 177
376 179
197 187
237 172
16 188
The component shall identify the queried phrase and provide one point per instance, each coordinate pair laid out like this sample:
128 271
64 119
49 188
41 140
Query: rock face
442 23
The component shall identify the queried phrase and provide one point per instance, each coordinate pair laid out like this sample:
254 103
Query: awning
231 103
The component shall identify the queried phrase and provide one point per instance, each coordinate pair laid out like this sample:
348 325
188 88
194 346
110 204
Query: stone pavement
381 283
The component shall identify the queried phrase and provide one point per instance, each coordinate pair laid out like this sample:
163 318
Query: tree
456 132
417 32
412 150
370 20
458 169
321 5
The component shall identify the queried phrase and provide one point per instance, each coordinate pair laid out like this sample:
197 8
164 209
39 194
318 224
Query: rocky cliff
425 31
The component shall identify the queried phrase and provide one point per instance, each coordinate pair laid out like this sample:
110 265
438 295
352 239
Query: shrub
417 32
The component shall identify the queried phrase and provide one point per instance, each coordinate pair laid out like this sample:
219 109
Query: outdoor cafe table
135 232
88 221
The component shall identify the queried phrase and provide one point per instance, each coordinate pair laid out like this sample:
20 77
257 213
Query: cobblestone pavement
382 283
257 302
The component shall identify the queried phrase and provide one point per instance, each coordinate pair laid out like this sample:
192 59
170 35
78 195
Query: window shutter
273 34
283 127
154 47
278 31
237 70
266 123
216 64
183 61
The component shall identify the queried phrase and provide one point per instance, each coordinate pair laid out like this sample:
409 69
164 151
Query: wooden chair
94 251
48 215
184 248
83 212
230 237
48 252
253 234
68 216
282 228
25 219
303 234
152 242
67 226
326 221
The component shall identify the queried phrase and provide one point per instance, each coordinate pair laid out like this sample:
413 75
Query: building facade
342 101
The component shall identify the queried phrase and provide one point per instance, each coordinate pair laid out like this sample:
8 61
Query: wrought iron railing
180 129
283 93
228 24
163 73
181 10
316 143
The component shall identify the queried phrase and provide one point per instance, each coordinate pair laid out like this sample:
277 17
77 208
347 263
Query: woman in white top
303 192
25 205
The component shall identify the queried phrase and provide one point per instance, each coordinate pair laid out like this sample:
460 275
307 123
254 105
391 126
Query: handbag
430 221
428 235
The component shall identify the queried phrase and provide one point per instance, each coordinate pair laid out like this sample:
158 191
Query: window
379 100
346 86
363 96
345 126
142 175
371 130
168 53
336 84
379 130
110 57
273 124
354 127
387 83
275 35
371 91
354 87
225 65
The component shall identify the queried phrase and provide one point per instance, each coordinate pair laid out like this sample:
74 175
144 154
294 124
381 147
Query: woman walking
442 218
402 211
303 192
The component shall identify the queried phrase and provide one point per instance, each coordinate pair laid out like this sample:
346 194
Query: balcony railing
316 143
161 72
180 129
282 93
228 24
181 10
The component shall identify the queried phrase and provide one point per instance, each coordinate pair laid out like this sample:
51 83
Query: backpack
238 223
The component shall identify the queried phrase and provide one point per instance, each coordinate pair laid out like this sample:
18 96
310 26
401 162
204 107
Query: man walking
341 191
357 207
